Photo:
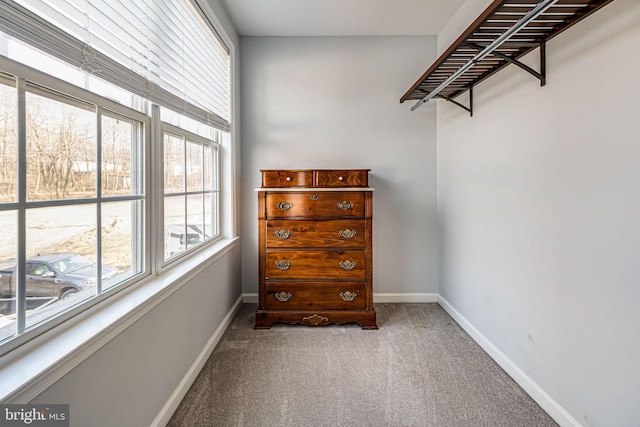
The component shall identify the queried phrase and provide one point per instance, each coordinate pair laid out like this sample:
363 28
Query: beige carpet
419 369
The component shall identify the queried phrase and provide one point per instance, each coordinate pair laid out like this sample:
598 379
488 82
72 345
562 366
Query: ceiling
340 17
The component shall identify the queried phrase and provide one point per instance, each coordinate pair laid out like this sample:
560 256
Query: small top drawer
287 178
341 178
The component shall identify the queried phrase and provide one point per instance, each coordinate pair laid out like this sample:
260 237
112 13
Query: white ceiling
340 17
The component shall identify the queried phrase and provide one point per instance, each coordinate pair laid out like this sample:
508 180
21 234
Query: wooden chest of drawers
314 236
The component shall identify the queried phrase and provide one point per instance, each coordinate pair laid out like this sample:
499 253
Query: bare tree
61 158
116 154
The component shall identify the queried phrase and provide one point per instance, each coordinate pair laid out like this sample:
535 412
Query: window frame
23 74
167 128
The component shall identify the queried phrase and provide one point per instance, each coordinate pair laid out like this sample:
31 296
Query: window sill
31 368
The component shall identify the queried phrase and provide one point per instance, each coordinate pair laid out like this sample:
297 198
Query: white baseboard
176 397
250 298
405 298
557 412
381 298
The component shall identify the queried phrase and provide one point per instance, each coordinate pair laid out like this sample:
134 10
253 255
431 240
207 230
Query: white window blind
163 50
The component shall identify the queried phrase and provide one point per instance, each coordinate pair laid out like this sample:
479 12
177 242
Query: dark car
53 275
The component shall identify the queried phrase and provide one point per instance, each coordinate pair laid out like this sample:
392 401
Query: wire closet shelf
506 31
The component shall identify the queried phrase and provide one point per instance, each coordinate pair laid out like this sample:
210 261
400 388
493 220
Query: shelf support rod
543 63
469 109
530 16
539 75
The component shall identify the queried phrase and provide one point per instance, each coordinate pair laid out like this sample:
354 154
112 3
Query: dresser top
311 170
294 189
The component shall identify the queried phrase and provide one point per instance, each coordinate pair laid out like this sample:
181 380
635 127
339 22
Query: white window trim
30 369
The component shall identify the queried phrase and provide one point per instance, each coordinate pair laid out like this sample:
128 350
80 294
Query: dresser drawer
315 296
283 264
287 178
341 233
315 205
341 178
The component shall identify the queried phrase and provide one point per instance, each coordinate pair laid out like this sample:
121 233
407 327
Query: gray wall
333 102
539 206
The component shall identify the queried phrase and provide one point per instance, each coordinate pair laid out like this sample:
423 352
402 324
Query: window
190 192
74 214
87 197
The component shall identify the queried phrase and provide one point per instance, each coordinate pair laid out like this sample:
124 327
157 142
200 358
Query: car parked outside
56 275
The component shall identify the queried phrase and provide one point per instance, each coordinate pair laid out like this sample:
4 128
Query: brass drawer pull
345 205
283 296
283 265
314 197
348 296
283 234
347 234
347 265
285 206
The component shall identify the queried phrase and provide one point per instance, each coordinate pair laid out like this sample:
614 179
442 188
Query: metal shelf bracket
464 107
542 75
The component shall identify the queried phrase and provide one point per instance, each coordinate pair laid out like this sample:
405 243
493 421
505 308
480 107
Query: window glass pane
61 150
183 122
121 154
8 256
35 58
174 162
122 241
113 92
8 144
209 172
195 220
210 210
61 259
211 205
174 225
194 166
